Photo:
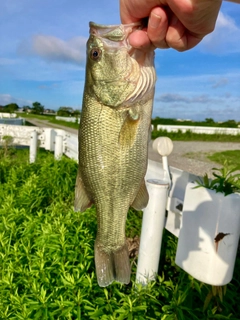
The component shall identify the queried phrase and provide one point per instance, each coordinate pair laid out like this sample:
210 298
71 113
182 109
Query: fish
113 142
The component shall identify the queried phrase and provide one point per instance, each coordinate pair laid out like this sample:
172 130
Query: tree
76 113
11 107
230 124
26 108
209 120
65 112
37 108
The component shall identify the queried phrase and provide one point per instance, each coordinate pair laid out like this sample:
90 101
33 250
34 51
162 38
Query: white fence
46 138
196 129
7 115
68 119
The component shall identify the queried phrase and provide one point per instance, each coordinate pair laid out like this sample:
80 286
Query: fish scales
113 138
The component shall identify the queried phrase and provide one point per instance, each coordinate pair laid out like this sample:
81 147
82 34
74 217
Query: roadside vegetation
50 118
209 122
47 261
191 136
73 125
232 157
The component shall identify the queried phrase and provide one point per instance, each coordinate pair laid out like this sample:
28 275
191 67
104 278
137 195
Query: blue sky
42 58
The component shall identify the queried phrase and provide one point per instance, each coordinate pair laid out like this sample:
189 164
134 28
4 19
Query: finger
157 27
179 38
139 39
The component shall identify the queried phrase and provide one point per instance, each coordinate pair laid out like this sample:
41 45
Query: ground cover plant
47 260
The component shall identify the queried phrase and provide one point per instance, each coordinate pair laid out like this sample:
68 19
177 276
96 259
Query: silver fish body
113 139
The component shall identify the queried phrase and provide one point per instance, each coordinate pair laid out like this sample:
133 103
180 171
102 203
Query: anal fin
82 200
141 199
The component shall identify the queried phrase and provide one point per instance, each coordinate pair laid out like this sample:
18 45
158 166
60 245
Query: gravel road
187 155
191 156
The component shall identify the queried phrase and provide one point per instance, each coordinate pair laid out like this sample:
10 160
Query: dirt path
191 156
47 124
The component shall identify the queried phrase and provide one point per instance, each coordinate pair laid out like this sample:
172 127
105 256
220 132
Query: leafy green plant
47 260
6 144
226 181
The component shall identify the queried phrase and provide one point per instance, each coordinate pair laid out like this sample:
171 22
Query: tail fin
112 266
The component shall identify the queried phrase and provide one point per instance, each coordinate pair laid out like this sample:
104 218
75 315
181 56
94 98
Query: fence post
152 229
154 217
33 146
58 151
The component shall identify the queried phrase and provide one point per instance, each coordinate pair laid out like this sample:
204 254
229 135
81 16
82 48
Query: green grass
73 125
231 156
210 123
36 116
47 260
51 119
190 136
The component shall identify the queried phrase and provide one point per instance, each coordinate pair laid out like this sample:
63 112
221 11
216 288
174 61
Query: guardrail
46 138
13 121
196 129
7 115
68 119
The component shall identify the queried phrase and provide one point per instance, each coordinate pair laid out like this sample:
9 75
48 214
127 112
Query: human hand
178 24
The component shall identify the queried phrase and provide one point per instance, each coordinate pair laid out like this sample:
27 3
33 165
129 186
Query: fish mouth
115 37
116 32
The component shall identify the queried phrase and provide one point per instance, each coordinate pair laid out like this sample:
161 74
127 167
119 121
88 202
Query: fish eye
95 54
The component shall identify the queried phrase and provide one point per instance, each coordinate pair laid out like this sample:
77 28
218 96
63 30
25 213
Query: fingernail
154 20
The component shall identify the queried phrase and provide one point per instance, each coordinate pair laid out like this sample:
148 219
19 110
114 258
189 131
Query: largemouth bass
113 139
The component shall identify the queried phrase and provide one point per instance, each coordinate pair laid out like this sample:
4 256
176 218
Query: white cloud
53 49
180 98
220 112
7 98
224 39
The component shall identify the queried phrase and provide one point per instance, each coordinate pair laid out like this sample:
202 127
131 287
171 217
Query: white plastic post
33 146
164 146
58 151
152 228
154 217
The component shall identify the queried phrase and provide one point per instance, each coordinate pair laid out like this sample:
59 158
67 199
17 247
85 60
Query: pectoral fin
82 200
128 131
141 200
